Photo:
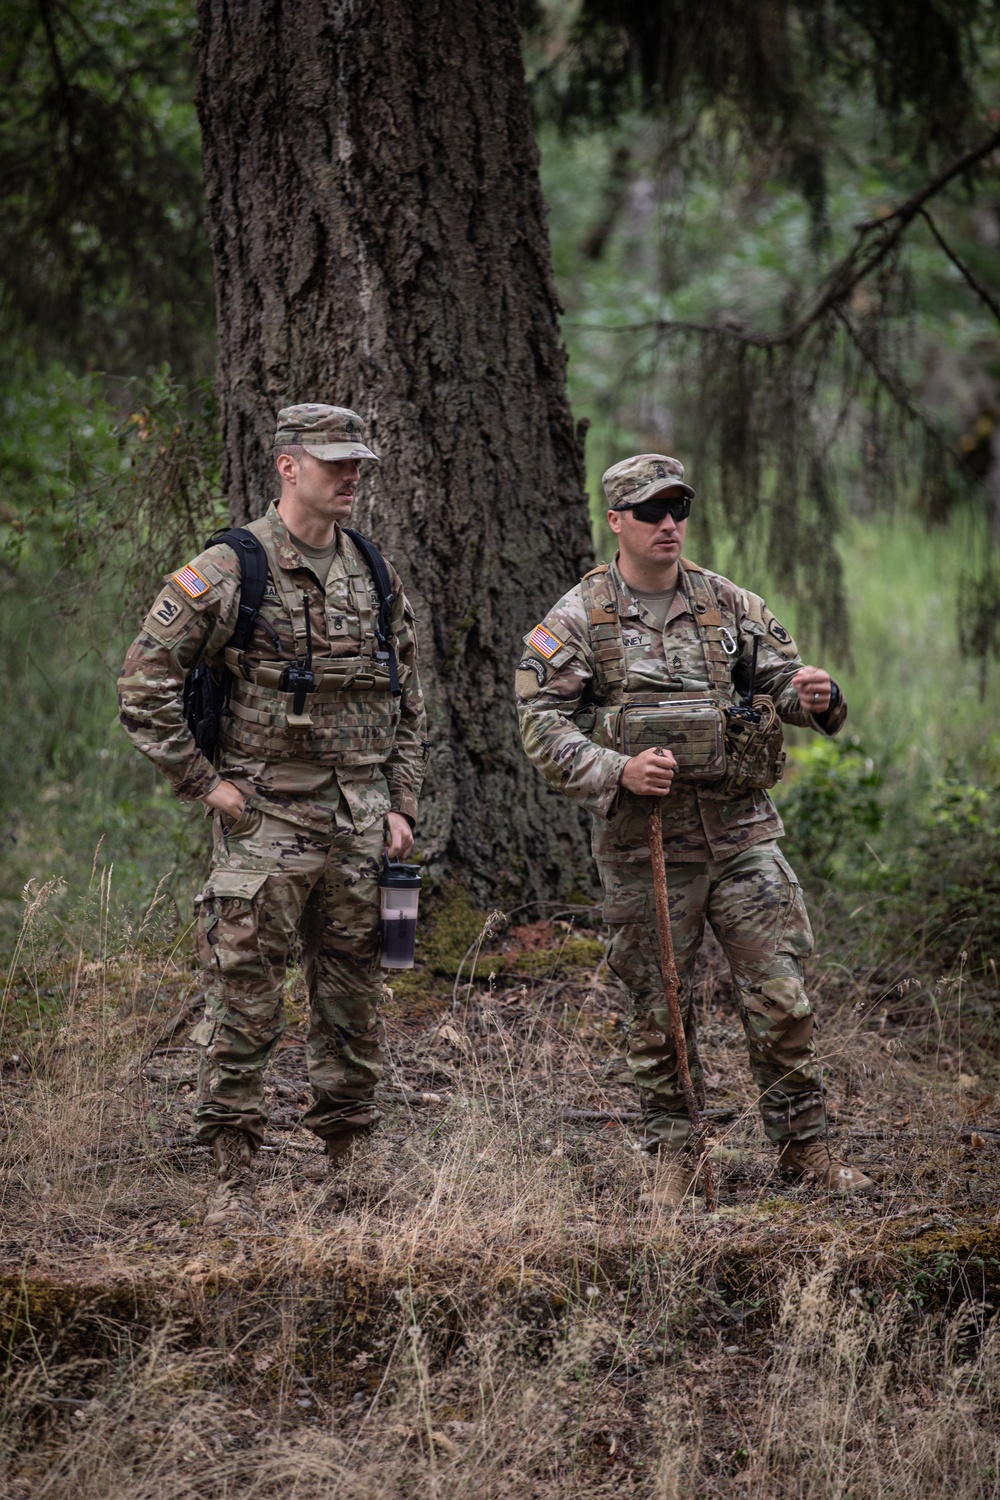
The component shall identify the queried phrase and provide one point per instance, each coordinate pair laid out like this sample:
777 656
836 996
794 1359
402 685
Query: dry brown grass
494 1315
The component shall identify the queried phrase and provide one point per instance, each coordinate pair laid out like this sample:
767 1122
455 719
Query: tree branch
930 189
860 261
960 265
891 383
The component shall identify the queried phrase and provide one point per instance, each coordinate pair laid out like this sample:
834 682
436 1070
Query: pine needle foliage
772 68
103 255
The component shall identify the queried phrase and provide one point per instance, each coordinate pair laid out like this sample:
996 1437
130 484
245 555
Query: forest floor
495 1313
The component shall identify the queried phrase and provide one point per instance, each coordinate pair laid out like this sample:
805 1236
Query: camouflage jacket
182 629
554 694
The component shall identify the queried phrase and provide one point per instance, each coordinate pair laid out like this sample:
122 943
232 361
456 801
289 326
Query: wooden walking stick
668 969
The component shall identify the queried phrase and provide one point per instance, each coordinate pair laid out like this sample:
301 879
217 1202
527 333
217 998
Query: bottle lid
397 876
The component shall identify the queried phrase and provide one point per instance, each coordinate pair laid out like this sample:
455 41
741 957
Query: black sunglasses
652 511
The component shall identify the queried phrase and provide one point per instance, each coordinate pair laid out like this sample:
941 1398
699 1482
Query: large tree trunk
380 243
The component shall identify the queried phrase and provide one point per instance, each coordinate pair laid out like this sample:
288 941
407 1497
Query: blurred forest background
706 188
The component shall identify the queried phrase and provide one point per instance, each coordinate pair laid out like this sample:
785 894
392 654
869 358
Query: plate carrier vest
352 711
712 745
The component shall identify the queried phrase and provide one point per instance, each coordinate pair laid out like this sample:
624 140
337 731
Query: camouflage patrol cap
323 431
637 479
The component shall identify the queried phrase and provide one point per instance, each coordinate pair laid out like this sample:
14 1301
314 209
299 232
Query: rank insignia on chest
544 642
191 581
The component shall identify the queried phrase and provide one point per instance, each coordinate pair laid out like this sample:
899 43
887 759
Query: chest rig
718 640
724 747
347 716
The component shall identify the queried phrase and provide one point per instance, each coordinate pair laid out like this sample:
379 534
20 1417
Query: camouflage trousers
754 905
277 891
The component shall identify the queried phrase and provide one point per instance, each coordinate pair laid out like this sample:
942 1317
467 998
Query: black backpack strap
206 698
253 579
383 629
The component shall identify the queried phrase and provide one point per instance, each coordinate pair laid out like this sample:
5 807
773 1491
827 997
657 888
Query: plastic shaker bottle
399 885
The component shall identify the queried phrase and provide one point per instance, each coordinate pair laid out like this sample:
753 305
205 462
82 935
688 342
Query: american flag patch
191 581
544 642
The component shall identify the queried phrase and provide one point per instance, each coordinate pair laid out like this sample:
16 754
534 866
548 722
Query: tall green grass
72 789
102 489
919 706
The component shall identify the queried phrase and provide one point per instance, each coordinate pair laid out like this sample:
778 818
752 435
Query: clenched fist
814 688
650 773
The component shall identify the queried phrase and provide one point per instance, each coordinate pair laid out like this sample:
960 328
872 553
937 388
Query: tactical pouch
754 754
692 729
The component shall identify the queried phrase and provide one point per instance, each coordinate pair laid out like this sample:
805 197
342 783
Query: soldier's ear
286 466
615 521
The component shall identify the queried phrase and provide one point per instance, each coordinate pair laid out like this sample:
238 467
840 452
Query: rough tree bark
380 242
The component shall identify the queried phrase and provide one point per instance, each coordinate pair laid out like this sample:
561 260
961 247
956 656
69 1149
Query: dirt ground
495 1313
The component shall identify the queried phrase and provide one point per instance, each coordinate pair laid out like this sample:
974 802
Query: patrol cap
323 431
637 479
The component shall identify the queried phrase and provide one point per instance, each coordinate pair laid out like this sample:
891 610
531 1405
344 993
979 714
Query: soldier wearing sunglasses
656 678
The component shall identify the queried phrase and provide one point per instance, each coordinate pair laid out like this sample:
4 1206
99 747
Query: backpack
206 698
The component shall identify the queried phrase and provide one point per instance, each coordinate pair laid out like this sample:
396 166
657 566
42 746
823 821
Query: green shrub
830 805
944 884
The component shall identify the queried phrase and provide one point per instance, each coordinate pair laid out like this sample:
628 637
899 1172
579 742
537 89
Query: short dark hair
294 450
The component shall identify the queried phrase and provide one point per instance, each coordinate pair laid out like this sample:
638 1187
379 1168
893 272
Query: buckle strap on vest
610 668
292 599
363 605
608 645
708 618
332 674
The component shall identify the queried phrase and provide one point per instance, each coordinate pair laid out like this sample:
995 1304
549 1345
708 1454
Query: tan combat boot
673 1174
813 1161
232 1199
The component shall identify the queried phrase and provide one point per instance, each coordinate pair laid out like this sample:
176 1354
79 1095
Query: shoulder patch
544 642
166 609
192 582
778 631
529 679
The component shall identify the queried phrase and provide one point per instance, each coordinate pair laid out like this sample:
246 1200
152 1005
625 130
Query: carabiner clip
727 635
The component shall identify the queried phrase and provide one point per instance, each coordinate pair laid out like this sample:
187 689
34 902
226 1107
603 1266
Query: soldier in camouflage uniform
623 692
305 805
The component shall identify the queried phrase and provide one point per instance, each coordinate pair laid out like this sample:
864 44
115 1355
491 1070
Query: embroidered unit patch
535 668
544 642
191 581
166 610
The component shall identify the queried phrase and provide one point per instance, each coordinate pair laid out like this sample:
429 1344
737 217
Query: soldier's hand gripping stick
668 969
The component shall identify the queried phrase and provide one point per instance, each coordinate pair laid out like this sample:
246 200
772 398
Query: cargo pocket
241 885
203 1035
366 792
227 921
624 903
248 822
794 934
